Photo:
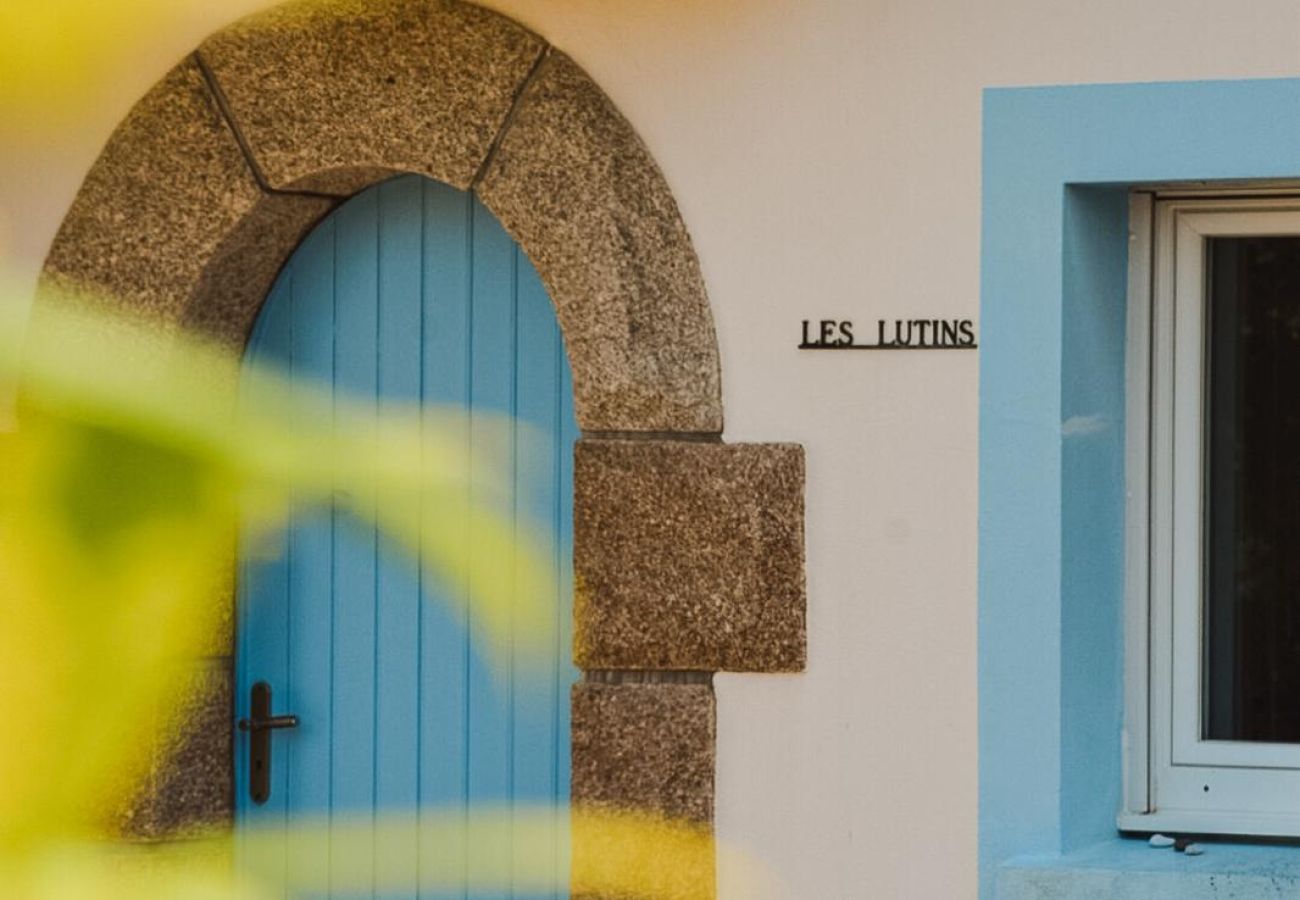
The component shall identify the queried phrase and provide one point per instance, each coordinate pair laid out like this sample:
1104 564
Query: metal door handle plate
259 725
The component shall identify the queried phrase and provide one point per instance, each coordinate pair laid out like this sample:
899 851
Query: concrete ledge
689 556
1127 869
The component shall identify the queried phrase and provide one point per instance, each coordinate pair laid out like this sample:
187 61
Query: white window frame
1175 781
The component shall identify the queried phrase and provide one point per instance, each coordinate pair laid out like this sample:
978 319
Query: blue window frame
1059 163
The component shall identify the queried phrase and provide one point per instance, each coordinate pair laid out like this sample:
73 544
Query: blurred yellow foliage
628 855
140 454
53 51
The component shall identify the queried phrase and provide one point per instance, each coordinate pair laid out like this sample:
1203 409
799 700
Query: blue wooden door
409 292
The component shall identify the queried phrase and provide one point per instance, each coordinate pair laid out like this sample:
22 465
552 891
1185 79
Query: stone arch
688 552
243 146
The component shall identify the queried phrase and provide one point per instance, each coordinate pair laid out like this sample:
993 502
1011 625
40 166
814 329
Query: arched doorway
689 551
410 292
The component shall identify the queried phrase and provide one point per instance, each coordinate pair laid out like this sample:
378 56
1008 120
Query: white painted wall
826 157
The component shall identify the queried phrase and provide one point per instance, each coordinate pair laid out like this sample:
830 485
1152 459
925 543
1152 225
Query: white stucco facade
826 158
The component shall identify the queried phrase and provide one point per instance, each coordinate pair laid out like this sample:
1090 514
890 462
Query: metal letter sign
901 334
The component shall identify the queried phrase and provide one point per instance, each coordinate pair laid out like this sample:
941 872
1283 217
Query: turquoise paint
410 291
1057 163
1095 257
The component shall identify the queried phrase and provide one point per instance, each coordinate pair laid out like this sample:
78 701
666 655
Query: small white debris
1161 841
1084 426
1193 850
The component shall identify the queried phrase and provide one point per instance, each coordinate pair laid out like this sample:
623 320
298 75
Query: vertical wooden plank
397 674
444 642
308 691
355 571
566 671
263 633
493 332
534 700
411 290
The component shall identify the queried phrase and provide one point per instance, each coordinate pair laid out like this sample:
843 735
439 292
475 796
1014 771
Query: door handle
259 725
270 723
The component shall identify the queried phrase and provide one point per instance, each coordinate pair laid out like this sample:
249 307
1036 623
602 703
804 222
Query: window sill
1128 869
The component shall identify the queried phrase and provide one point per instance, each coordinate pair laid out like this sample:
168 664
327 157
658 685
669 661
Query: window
1212 736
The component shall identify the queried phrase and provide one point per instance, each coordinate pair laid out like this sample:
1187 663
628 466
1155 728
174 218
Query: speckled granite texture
243 266
689 556
648 747
333 95
189 788
577 188
161 200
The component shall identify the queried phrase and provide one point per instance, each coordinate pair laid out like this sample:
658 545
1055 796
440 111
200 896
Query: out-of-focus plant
52 51
135 463
636 855
140 453
55 53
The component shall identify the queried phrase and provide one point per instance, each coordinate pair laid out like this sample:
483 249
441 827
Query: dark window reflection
1252 638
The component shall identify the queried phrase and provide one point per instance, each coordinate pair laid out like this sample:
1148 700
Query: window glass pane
1252 577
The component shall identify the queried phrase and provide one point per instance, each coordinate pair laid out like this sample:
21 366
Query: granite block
189 788
333 95
164 195
689 556
219 640
644 753
574 184
243 266
645 747
195 776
